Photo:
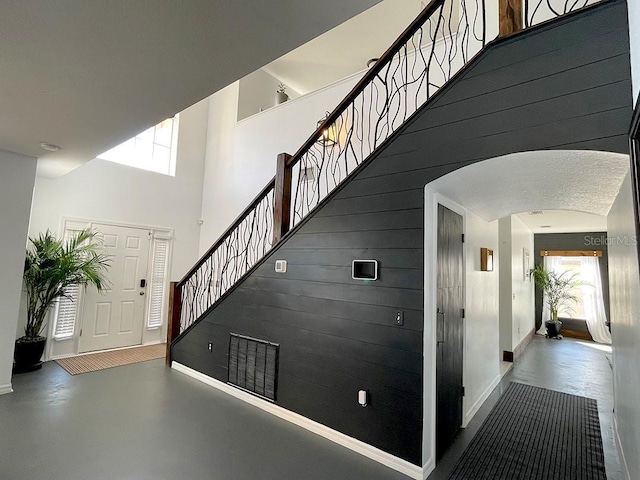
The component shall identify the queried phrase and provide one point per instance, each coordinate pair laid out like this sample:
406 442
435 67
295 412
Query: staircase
437 45
348 175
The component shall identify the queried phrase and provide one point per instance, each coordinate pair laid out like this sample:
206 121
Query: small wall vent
253 365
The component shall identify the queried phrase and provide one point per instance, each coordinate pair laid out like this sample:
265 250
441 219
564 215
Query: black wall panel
565 85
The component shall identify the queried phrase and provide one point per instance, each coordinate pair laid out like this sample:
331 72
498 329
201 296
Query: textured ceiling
87 75
563 221
585 181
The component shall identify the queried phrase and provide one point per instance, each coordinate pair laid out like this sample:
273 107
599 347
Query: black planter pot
553 329
27 354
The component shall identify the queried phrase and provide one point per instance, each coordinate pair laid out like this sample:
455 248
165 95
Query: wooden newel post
175 308
282 198
510 12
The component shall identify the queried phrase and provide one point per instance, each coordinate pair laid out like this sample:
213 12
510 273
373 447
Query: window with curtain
591 305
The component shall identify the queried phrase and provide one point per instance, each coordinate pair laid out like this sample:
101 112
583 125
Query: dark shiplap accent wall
549 88
573 241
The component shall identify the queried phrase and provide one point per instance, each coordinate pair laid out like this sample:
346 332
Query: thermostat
364 270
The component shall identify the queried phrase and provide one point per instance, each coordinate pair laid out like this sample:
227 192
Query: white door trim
68 222
431 201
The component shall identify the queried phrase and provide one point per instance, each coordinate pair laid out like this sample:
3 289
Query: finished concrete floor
145 421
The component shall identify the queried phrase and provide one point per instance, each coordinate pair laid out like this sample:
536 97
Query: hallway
571 366
145 421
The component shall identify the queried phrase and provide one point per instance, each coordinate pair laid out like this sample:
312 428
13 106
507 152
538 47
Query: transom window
153 149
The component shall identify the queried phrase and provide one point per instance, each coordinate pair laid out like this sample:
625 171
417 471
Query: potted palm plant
51 266
558 293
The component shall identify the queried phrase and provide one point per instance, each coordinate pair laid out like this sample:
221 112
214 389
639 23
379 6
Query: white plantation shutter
67 313
67 308
158 282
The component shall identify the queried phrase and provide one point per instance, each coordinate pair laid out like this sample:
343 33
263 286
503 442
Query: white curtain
551 264
593 300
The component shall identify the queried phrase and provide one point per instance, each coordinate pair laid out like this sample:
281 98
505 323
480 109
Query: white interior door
115 318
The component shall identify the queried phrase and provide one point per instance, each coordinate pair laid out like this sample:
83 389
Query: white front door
115 318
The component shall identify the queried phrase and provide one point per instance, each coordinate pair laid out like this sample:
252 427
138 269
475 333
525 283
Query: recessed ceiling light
545 226
536 212
50 147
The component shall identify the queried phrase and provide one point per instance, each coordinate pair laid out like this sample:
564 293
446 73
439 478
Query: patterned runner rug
535 433
115 358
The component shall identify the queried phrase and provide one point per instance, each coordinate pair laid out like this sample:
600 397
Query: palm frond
558 288
52 266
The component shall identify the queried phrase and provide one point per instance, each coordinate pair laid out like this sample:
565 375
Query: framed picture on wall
526 264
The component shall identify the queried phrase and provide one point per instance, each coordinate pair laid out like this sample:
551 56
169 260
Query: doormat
536 433
113 358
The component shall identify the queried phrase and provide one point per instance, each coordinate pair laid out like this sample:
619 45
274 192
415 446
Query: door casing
78 223
431 201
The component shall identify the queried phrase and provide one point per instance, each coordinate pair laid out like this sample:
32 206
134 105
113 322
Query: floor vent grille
253 365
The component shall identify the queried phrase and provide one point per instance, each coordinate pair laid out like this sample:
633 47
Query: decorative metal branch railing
435 47
440 41
236 251
538 11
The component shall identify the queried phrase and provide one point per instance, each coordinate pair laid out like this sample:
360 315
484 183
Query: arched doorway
483 193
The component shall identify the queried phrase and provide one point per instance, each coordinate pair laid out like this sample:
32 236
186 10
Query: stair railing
437 44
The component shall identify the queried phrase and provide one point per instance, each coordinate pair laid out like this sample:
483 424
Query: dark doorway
449 329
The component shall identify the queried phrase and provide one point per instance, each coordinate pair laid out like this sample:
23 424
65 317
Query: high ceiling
346 49
87 75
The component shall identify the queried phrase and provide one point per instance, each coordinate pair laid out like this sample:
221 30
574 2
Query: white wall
17 176
634 37
481 366
522 291
257 92
624 288
241 156
109 192
517 300
505 301
482 369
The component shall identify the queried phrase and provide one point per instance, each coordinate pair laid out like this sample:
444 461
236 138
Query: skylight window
153 150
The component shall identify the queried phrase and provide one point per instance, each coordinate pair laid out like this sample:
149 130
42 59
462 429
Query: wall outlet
210 347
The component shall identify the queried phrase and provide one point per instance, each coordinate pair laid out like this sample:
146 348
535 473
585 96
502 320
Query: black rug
535 433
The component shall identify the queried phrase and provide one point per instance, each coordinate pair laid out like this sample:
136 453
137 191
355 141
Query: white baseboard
358 446
623 460
427 468
478 403
5 389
